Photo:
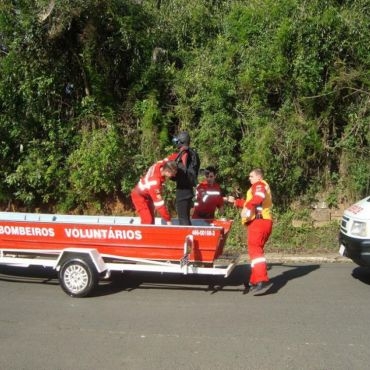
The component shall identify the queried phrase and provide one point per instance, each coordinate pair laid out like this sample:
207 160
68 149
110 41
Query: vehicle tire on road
78 277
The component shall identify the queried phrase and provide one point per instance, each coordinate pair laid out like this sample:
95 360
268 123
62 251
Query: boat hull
112 237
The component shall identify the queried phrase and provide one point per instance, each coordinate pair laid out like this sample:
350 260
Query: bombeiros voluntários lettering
72 233
103 234
27 231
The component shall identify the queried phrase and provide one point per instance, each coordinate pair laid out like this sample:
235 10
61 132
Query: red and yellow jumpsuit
147 195
208 198
258 220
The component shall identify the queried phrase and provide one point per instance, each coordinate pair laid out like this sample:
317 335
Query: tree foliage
91 92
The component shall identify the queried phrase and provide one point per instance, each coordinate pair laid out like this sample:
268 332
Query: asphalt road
316 316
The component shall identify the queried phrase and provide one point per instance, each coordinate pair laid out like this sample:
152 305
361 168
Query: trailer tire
78 277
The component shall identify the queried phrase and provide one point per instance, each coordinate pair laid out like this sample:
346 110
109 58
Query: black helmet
181 139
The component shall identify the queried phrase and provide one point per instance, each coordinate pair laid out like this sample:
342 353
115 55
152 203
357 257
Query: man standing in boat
186 178
147 194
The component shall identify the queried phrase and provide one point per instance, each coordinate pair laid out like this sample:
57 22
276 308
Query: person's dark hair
170 166
209 169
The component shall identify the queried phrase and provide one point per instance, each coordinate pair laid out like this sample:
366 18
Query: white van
354 236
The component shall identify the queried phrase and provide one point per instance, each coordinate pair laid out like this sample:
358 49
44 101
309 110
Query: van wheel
78 277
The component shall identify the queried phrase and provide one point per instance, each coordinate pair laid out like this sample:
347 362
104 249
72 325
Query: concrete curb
292 258
316 259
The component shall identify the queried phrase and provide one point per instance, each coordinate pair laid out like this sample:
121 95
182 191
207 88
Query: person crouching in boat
208 196
147 194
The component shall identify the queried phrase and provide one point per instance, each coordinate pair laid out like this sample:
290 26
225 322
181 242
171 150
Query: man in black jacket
186 178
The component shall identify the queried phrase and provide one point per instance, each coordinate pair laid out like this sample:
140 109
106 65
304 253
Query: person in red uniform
147 194
208 196
257 217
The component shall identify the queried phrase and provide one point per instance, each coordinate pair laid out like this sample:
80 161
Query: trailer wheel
78 277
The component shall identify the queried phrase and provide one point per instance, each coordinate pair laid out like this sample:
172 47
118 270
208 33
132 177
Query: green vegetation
91 92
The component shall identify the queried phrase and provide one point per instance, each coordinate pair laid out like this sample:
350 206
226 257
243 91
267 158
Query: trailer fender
73 253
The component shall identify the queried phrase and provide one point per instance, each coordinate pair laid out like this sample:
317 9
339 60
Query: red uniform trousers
258 232
144 207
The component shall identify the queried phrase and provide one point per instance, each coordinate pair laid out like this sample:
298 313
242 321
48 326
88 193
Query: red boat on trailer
84 249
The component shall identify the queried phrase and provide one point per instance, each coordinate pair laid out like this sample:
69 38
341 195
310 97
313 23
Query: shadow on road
362 274
129 280
33 274
237 280
295 272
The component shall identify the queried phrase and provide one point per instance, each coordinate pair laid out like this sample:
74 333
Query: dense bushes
91 92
